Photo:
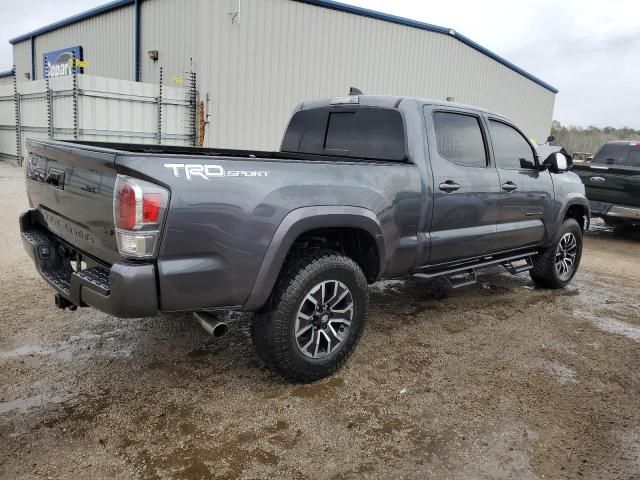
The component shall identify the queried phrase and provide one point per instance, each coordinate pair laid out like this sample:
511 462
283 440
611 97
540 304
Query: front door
526 204
466 186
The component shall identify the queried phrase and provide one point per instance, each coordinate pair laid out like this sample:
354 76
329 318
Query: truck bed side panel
225 212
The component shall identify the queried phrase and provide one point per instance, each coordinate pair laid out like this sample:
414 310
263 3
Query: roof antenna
355 91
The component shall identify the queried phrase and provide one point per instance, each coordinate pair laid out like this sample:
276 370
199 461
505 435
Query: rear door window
511 150
459 139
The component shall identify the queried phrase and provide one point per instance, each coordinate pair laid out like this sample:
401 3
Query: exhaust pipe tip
220 330
211 324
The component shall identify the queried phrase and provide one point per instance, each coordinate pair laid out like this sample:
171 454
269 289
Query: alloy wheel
324 318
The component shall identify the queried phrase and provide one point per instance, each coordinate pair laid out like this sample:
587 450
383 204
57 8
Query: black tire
545 273
273 330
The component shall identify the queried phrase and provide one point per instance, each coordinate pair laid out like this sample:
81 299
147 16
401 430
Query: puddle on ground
600 229
563 373
26 351
22 405
618 327
82 345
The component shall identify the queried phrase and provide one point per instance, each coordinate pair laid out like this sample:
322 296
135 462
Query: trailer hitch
63 303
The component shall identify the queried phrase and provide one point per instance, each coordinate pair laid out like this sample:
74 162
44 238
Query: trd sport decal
206 172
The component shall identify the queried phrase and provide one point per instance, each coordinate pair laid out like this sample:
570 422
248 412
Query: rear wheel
314 318
556 265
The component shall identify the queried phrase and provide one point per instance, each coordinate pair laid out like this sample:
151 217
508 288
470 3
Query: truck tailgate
71 188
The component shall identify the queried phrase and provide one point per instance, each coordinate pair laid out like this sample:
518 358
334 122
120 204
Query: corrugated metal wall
107 41
22 59
278 53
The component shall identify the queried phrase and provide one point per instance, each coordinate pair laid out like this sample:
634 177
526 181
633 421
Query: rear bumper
126 289
603 209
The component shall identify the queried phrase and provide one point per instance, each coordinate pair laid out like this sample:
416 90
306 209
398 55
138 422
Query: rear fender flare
304 220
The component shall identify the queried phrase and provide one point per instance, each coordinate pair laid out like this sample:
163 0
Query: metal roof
75 19
343 7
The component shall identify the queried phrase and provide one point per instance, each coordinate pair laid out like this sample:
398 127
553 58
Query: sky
587 49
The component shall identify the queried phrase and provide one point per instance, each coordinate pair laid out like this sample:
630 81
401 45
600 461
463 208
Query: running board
463 275
464 279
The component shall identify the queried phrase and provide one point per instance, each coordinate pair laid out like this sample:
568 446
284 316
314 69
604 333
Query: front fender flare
304 220
572 200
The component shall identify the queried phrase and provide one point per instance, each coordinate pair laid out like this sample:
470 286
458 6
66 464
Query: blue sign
61 62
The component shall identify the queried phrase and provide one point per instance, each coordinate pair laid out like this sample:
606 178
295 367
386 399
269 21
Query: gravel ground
499 380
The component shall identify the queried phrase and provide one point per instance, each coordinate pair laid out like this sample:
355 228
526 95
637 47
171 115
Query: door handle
509 186
449 186
598 179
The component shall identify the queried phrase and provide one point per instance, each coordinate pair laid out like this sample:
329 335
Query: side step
464 279
464 276
519 266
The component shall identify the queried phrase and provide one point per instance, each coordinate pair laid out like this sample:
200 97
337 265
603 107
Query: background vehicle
612 182
364 188
582 157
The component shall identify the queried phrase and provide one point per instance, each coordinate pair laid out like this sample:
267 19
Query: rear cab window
368 133
615 154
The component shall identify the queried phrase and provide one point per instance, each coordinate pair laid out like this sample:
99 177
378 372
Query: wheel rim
566 255
324 319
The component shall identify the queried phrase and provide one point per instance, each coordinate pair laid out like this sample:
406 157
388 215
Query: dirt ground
499 380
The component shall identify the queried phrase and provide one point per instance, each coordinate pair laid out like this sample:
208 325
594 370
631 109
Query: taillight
126 198
138 211
151 206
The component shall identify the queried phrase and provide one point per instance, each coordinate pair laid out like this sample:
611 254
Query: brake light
138 213
126 215
151 205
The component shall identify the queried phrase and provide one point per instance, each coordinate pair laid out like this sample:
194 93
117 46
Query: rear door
71 187
526 201
466 186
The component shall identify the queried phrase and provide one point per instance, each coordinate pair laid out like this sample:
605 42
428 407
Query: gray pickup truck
363 188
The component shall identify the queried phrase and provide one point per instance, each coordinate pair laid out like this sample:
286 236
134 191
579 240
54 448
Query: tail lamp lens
126 214
151 206
138 210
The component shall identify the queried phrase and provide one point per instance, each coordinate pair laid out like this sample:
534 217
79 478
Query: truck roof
386 101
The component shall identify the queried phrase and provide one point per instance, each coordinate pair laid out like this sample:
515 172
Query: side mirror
557 162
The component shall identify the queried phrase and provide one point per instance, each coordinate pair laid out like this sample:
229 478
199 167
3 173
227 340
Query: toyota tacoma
363 188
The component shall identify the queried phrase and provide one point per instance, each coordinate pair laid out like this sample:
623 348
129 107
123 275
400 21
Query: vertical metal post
193 108
49 93
75 98
159 102
16 100
138 21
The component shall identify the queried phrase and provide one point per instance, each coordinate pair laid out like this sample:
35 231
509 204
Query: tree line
590 139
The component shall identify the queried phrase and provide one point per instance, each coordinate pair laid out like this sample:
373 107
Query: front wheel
556 265
314 318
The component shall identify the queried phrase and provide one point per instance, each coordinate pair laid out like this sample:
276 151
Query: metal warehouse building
256 59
